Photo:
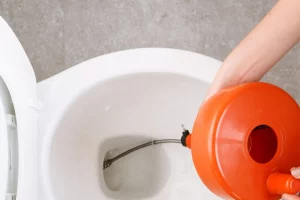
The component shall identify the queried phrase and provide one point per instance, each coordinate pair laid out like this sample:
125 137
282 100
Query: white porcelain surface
115 102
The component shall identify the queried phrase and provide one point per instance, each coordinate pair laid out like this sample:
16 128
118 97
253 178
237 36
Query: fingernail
295 172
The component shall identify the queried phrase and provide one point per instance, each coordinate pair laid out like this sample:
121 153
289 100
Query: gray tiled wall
58 34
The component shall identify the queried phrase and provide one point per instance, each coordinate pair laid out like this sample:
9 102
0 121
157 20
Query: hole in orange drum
262 144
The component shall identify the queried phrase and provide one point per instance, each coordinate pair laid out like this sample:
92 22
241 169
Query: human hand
263 47
296 173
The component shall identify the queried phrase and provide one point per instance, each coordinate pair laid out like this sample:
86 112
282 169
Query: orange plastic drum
245 140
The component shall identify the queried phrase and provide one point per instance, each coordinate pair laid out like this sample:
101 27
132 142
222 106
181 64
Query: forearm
269 41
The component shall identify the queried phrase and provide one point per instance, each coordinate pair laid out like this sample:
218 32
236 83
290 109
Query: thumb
296 172
289 197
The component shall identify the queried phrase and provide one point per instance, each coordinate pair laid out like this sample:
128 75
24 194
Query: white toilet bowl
101 108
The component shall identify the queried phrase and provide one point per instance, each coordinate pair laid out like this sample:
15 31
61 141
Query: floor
57 34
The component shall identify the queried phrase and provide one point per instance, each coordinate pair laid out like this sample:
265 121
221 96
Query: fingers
289 197
296 172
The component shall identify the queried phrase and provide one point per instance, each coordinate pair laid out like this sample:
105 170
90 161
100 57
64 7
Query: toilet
56 134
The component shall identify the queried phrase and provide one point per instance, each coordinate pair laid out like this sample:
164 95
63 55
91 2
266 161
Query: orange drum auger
244 142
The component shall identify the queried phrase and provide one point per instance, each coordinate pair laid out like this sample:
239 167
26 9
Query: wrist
232 74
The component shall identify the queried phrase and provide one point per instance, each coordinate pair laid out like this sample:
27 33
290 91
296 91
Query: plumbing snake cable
107 163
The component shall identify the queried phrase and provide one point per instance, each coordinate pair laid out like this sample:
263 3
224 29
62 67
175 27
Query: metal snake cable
107 163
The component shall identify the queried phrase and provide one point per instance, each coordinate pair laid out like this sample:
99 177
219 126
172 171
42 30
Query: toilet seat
8 145
18 76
